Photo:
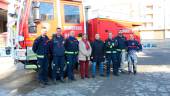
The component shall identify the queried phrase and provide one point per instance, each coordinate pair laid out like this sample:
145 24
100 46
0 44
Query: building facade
155 14
3 22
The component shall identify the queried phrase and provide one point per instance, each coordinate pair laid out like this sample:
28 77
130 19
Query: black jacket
110 45
41 45
71 44
122 42
98 51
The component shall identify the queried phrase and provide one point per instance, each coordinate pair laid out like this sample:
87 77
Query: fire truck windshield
46 11
72 14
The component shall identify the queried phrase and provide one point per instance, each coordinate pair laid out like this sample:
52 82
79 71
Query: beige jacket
83 52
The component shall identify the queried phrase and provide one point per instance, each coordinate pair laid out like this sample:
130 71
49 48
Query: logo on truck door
72 27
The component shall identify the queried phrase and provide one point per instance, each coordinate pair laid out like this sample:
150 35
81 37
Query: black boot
62 79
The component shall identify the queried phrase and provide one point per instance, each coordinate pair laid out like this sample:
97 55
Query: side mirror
36 11
20 38
32 28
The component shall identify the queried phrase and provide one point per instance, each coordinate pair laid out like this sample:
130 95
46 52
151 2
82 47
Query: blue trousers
58 65
132 61
113 57
43 69
101 68
71 61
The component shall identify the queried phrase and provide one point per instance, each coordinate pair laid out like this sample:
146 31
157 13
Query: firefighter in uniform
121 49
111 55
41 48
71 52
57 50
133 48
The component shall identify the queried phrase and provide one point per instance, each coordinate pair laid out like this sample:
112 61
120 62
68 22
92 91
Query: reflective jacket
41 45
110 46
121 42
133 45
57 45
71 46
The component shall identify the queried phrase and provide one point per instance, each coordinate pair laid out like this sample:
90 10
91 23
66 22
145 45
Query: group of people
67 52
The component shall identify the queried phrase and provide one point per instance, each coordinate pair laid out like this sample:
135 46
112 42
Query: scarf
86 44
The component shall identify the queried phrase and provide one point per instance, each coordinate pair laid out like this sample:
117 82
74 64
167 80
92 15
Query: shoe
129 72
102 75
82 77
73 79
46 83
54 82
116 74
62 80
93 76
87 76
135 72
42 85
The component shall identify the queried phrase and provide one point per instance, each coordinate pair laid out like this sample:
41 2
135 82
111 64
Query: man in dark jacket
121 48
41 48
111 55
71 51
133 48
97 55
57 50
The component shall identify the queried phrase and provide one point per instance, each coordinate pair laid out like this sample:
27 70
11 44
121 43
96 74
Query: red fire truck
105 25
33 15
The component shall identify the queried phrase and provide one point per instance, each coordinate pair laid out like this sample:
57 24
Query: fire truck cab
50 14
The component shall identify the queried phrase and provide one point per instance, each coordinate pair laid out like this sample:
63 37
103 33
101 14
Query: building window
149 24
149 16
46 11
149 7
72 14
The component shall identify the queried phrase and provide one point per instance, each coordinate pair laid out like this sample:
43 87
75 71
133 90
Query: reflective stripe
111 52
108 52
68 62
40 56
76 52
120 49
123 50
68 52
110 46
114 52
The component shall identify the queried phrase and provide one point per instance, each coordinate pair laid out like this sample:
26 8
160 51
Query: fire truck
30 16
103 26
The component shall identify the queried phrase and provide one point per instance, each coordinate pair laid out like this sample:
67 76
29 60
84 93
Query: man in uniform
71 51
57 50
41 48
121 49
133 47
111 55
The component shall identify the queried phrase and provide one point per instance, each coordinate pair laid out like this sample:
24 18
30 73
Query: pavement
152 80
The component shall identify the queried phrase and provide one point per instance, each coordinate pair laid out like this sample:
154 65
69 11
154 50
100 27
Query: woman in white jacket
84 56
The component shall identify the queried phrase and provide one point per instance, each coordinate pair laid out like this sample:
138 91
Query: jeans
132 61
101 68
